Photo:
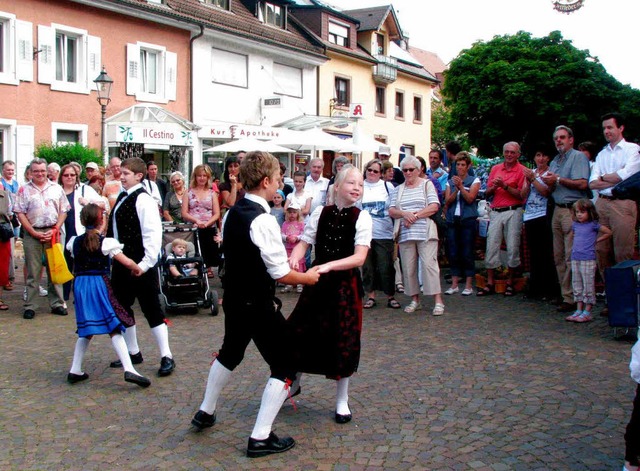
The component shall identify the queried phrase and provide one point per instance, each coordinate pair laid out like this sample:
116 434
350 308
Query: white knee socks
342 396
218 378
132 340
275 392
78 355
120 347
161 333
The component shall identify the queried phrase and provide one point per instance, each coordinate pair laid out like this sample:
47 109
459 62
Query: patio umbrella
248 145
365 144
312 139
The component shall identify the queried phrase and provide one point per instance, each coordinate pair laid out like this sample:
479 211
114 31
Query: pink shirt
514 178
41 206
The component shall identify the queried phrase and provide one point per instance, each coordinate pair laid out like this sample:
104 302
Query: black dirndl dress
326 324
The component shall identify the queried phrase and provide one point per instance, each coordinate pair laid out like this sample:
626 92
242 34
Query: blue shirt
584 240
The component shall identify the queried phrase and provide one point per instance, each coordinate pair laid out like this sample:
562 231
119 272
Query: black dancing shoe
167 365
268 446
141 381
343 419
74 378
59 311
135 359
203 420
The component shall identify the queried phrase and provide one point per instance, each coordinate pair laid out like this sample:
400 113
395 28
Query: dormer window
338 34
224 4
380 49
272 14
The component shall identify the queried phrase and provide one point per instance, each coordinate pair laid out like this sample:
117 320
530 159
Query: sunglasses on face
408 170
371 170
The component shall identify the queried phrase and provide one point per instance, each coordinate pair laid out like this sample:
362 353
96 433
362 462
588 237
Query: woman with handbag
412 206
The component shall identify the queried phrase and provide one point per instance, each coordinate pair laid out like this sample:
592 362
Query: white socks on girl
342 397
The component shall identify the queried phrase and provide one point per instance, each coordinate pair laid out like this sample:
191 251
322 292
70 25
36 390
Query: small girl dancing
586 233
97 311
292 229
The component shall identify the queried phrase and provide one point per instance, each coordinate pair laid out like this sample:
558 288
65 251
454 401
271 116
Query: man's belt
564 205
506 208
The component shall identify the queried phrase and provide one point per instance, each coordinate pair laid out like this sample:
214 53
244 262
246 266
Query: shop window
287 80
338 34
68 58
272 14
16 50
342 91
229 68
151 73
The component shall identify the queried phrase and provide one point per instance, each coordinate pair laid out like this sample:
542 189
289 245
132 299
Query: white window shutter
24 51
25 138
171 75
133 69
46 54
94 66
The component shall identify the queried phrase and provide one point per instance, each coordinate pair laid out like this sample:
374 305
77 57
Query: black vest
246 277
129 230
89 263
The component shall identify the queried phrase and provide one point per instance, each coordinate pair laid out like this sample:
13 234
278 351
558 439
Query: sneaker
286 289
24 294
299 289
452 290
584 317
412 307
573 317
42 292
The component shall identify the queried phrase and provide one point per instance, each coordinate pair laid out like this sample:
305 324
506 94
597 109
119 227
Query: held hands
314 274
409 218
457 182
550 179
529 174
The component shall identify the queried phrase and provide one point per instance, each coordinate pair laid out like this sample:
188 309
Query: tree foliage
519 88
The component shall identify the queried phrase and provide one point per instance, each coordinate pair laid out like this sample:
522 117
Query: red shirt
514 178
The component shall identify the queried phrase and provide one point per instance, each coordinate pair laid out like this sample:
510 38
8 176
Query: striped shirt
414 200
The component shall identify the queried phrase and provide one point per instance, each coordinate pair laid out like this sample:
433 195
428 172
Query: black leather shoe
141 381
59 311
268 446
135 359
203 420
167 365
74 378
343 419
29 314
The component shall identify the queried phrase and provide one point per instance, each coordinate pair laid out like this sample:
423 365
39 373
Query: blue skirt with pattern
95 313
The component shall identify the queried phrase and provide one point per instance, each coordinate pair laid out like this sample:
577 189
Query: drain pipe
191 41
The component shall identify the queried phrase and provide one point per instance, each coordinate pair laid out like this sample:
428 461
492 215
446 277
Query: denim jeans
461 237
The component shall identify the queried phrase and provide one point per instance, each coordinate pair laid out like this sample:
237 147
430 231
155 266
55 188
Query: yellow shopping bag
58 269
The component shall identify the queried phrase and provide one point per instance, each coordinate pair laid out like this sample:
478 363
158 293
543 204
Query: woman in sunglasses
412 205
378 271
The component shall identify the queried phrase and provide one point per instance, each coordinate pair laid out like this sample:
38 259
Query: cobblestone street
494 384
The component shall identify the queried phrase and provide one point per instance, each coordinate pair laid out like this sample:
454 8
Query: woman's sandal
399 287
369 304
3 306
486 291
393 303
508 292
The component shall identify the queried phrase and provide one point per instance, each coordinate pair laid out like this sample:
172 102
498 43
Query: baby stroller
187 291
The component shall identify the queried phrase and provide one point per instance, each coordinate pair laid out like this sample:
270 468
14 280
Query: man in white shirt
317 185
616 162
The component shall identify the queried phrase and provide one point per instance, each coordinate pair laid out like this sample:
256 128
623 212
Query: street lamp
103 86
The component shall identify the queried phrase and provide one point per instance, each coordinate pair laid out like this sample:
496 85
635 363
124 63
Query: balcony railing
386 70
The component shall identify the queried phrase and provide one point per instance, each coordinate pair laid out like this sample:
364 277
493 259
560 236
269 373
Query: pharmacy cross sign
567 6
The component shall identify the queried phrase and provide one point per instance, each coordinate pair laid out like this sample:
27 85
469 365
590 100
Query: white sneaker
24 294
286 289
299 289
42 292
452 290
412 307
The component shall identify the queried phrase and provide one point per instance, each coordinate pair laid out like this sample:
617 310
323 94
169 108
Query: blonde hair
177 242
194 176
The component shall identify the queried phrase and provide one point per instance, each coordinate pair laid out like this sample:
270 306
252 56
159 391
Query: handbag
398 222
6 231
58 269
628 189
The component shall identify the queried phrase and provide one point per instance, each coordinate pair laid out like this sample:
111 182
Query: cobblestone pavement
494 384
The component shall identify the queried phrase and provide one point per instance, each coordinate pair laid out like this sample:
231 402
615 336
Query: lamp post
103 86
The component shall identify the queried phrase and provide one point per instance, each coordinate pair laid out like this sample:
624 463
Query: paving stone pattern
494 384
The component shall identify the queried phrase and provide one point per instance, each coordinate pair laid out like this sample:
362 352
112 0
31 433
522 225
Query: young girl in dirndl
326 323
97 310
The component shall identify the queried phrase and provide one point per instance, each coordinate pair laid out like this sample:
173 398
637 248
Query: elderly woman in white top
412 205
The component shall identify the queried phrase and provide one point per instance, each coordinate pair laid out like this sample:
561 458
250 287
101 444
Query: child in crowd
586 233
179 251
97 311
292 229
278 207
300 196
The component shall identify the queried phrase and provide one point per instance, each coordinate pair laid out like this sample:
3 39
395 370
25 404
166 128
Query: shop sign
141 134
238 131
